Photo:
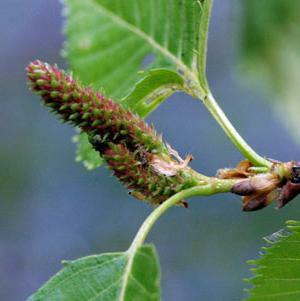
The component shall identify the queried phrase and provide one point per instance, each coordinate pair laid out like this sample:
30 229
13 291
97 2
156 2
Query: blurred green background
52 208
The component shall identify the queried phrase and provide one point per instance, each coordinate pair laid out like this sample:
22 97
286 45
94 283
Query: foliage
85 154
277 275
106 277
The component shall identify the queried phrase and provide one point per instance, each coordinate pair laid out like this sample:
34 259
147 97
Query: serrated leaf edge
291 225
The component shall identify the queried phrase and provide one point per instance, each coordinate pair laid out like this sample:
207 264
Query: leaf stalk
214 186
245 149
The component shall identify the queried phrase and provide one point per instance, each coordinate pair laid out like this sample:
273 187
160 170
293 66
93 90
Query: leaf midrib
143 35
278 294
130 254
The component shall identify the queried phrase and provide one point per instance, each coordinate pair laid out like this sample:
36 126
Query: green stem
232 133
215 186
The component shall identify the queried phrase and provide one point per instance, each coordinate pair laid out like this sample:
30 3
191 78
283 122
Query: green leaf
148 94
85 153
277 275
270 53
110 41
106 277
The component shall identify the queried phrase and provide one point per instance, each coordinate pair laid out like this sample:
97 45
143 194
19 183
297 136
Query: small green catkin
122 138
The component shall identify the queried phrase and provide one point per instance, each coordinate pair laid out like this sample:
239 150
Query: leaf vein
143 35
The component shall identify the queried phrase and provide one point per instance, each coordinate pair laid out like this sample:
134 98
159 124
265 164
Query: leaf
277 275
110 41
106 277
148 94
270 53
85 153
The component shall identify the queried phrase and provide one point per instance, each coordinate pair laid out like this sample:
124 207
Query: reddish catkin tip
90 110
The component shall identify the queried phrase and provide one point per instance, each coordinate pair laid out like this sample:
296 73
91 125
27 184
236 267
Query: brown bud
258 191
243 188
258 201
288 192
258 184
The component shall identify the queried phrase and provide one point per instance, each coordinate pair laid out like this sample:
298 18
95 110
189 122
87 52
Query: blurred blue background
51 208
